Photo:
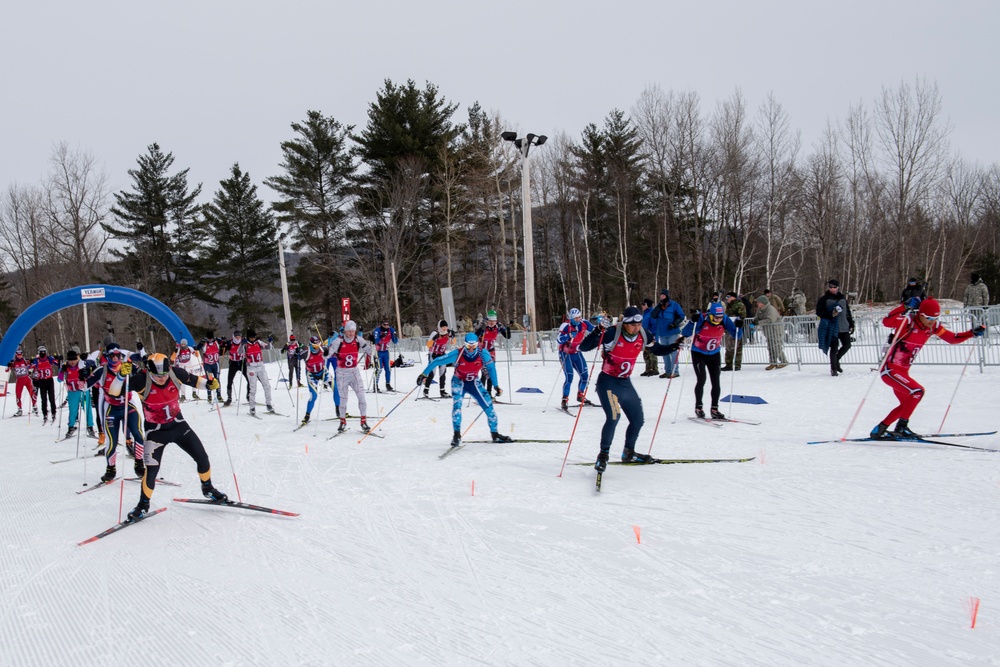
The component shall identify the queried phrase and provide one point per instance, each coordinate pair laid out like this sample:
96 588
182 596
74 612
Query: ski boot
90 432
499 437
195 396
880 432
305 420
364 425
602 461
629 456
218 397
582 399
229 401
388 387
444 394
564 405
34 410
699 412
343 426
253 411
140 469
139 511
213 493
427 393
270 410
182 399
70 432
717 415
109 474
902 430
19 413
45 420
456 439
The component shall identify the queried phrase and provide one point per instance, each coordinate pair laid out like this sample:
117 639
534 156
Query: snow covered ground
834 554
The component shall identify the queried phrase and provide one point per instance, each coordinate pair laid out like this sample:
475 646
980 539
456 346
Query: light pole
284 287
524 145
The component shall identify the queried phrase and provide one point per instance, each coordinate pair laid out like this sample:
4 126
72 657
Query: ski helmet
930 308
184 342
292 337
471 341
42 350
575 314
19 353
158 364
716 310
491 315
350 325
314 340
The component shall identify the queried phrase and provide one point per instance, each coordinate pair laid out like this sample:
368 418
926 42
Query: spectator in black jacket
836 325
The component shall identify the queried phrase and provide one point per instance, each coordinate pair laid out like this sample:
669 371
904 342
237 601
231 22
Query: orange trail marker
638 538
473 487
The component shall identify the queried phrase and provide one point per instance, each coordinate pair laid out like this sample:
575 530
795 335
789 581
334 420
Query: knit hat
762 299
71 355
833 282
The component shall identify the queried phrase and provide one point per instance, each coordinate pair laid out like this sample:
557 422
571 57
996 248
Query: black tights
157 439
706 365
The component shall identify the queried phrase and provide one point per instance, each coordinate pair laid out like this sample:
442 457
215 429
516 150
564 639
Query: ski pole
579 412
467 428
680 391
662 405
225 439
878 374
562 374
960 377
402 400
736 352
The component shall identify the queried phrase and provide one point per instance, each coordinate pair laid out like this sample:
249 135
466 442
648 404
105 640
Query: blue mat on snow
740 398
529 390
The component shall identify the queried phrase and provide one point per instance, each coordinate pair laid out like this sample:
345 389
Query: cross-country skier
111 378
437 346
488 334
469 361
210 350
256 372
187 358
383 336
571 334
706 331
914 330
348 351
293 353
165 424
45 369
236 351
22 370
315 371
620 346
74 374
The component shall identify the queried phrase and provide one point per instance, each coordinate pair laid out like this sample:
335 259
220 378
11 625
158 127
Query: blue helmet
575 314
715 309
471 341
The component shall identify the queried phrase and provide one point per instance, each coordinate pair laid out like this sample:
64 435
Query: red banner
345 310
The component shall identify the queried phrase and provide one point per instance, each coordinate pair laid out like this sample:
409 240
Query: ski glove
913 302
499 391
838 310
126 369
421 379
979 330
213 384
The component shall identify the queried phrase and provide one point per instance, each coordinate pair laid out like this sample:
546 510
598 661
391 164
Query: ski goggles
115 357
634 319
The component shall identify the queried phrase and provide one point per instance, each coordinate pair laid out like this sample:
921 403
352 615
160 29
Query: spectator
665 323
775 301
913 289
770 324
737 312
977 294
836 325
797 302
652 365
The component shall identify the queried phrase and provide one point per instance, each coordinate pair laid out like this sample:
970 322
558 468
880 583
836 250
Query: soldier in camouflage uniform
737 312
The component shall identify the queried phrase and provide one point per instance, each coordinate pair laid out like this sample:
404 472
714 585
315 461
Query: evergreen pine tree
315 191
243 248
155 231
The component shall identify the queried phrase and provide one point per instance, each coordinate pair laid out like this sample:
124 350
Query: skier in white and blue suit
469 361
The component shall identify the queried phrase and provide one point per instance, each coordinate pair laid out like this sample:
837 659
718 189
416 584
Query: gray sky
219 82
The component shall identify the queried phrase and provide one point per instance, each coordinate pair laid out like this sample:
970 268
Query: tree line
666 194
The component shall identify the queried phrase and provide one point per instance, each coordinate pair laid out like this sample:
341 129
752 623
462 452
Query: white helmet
575 314
350 325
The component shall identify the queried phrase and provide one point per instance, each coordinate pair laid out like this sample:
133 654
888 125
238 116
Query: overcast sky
217 82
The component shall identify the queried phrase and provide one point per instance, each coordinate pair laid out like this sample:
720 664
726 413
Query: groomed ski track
821 555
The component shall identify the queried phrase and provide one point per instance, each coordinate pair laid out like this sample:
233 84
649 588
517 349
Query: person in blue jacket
469 361
705 331
571 334
665 322
382 336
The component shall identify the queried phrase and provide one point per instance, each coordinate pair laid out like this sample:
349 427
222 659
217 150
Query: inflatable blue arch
122 296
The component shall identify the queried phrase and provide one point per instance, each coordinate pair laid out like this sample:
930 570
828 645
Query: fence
798 342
